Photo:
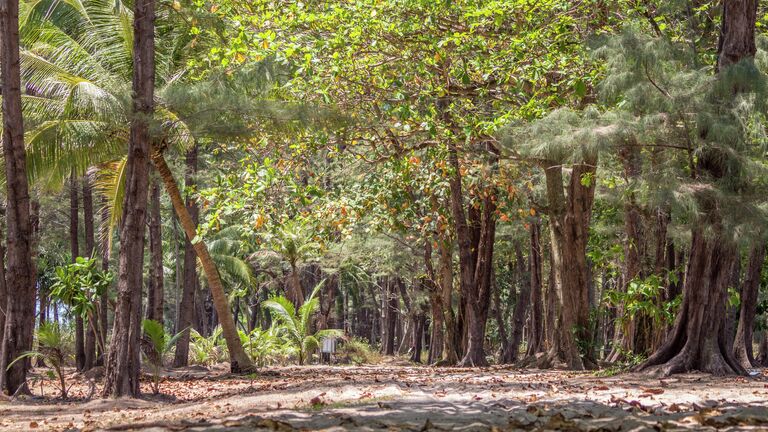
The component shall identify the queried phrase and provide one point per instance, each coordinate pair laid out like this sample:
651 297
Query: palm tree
77 61
297 327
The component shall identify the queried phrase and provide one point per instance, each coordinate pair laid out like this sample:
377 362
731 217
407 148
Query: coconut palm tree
76 64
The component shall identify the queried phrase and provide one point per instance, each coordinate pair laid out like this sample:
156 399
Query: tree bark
536 342
20 274
3 291
737 34
742 345
74 247
390 307
90 250
190 287
104 300
445 278
123 360
624 341
156 295
698 340
569 218
521 306
238 359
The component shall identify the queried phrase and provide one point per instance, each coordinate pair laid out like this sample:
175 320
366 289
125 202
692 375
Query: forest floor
399 397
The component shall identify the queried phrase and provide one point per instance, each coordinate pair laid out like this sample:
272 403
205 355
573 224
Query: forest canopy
547 184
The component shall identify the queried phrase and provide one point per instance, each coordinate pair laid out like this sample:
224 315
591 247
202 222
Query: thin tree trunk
437 335
450 340
521 307
90 250
74 247
536 342
186 311
626 326
3 291
104 301
123 360
239 360
155 306
742 345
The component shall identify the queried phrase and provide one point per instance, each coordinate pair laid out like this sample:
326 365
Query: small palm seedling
50 341
296 327
159 343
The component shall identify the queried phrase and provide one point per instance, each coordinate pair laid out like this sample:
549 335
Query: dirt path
409 398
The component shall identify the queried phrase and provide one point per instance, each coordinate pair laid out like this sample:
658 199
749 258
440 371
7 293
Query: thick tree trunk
569 218
187 304
123 360
436 337
698 339
742 345
737 34
238 359
90 250
479 299
156 295
476 244
20 274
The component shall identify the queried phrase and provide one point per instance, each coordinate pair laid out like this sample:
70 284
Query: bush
358 351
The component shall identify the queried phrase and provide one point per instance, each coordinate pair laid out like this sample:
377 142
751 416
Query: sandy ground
404 398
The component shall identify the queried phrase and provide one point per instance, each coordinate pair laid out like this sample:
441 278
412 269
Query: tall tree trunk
436 337
74 247
521 307
445 278
20 274
390 309
479 299
536 342
742 345
3 291
155 298
90 250
569 218
123 360
698 340
104 300
499 310
626 326
238 359
186 311
475 262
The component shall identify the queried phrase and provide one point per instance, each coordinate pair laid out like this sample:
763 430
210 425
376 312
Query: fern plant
296 326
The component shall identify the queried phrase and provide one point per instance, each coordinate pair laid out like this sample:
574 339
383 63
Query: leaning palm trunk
239 360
